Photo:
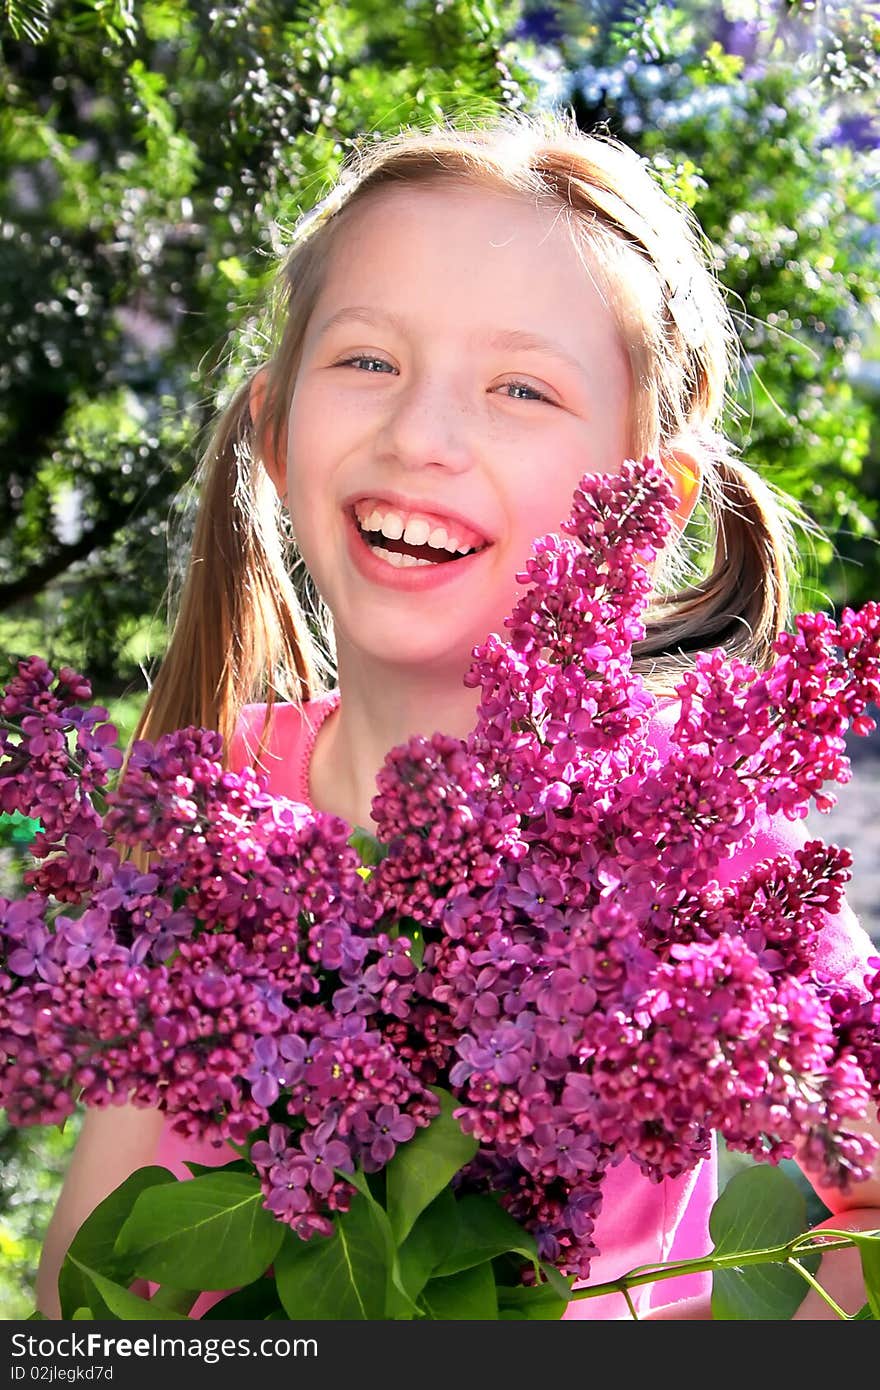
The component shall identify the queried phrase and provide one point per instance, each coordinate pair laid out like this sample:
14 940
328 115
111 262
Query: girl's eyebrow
507 339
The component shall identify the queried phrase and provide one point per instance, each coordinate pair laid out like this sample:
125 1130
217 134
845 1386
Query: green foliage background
153 158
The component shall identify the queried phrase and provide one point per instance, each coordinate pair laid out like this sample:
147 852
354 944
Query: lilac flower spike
545 933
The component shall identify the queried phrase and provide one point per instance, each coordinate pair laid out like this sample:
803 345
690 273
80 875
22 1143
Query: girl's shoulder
278 741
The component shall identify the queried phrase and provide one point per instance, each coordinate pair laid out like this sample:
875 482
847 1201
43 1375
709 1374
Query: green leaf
233 269
398 1301
29 19
343 1276
370 850
123 1304
424 1166
254 1303
483 1231
178 1300
760 1208
428 1242
561 1283
466 1297
408 927
722 67
95 1241
537 1302
868 1243
16 829
211 1232
83 1315
201 1170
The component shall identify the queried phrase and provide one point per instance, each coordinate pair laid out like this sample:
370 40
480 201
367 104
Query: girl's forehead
452 212
460 245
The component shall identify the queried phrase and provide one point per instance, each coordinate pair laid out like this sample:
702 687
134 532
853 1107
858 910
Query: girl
468 324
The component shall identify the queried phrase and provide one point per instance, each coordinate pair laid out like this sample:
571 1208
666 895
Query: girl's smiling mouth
404 534
400 564
416 535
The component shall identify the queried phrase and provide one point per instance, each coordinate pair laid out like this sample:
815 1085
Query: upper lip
418 504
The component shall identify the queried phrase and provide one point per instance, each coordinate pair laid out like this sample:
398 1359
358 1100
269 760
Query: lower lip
413 578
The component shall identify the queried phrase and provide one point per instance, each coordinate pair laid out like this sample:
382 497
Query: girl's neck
379 709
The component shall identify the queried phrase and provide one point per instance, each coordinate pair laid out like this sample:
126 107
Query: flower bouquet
425 1050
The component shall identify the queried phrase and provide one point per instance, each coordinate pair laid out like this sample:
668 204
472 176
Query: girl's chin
402 647
419 658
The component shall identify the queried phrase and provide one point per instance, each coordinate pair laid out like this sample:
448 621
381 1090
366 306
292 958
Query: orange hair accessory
685 477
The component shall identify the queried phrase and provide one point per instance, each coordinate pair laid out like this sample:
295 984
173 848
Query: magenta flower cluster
548 932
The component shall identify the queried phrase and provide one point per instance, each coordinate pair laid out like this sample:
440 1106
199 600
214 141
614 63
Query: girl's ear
274 462
686 476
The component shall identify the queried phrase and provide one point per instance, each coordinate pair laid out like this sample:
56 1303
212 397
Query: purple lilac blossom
545 937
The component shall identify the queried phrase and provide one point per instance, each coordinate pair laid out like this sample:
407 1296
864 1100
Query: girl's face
460 369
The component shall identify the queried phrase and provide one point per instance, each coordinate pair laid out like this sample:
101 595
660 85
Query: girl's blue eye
534 393
378 364
372 363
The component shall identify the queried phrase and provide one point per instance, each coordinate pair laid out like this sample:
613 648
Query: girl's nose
428 422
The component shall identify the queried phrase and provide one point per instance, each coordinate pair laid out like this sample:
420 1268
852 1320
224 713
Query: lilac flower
263 1072
563 1152
503 1055
33 955
20 914
44 734
271 1150
537 892
88 938
288 1196
381 1134
325 1153
357 995
546 936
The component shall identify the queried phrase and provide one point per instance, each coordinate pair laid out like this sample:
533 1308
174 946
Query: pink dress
641 1222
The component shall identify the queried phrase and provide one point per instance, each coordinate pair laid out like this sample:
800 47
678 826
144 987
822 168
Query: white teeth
399 561
415 530
391 526
416 533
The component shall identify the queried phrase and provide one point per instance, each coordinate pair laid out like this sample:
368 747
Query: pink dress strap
283 747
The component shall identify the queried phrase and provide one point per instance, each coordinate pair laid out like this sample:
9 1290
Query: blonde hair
242 633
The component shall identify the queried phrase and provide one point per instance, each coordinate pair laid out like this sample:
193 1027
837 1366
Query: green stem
630 1305
814 1284
652 1274
838 1238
